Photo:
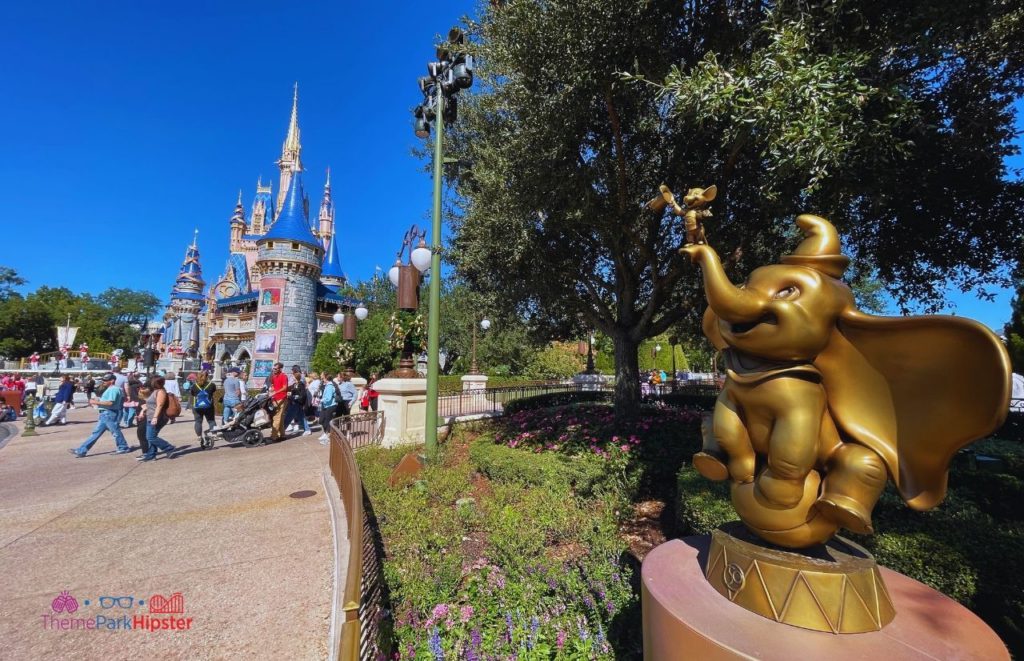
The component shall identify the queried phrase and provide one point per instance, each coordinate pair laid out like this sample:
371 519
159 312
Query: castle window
270 245
295 246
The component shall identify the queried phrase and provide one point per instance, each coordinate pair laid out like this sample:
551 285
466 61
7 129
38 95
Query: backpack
173 409
203 400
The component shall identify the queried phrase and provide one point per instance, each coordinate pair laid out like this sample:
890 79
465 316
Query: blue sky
128 124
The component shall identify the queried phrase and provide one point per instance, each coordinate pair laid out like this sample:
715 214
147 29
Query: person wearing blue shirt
347 394
110 405
328 406
65 394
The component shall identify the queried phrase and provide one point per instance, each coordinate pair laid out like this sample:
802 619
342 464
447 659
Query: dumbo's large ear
710 327
916 390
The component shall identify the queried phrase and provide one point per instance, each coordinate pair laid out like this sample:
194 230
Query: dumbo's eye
788 292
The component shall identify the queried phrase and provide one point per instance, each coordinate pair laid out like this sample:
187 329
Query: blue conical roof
189 283
332 263
292 223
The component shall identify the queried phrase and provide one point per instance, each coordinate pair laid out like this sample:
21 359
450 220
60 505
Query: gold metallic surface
692 209
838 590
823 404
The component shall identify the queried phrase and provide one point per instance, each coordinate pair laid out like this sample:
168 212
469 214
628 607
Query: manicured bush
551 399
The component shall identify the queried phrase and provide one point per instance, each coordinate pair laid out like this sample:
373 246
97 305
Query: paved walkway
254 566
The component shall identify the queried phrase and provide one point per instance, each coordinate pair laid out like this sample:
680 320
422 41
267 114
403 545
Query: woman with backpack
297 401
202 402
328 406
156 413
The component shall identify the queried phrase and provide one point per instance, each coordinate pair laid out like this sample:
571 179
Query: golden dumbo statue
822 403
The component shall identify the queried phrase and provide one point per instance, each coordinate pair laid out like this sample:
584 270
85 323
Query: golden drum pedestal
836 587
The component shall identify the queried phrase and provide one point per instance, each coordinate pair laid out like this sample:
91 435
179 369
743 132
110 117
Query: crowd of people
149 403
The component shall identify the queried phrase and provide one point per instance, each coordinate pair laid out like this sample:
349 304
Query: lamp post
452 72
485 324
672 342
406 278
347 322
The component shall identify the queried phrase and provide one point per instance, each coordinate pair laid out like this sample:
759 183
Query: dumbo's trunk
729 302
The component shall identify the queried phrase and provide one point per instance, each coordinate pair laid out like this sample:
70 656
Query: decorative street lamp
452 72
407 277
347 321
485 324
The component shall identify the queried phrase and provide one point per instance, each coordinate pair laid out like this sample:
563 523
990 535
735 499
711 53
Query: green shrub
690 400
703 505
552 399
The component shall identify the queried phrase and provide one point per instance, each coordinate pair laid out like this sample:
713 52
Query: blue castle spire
331 274
292 222
189 283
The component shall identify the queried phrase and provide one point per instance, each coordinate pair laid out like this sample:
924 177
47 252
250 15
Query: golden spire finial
291 142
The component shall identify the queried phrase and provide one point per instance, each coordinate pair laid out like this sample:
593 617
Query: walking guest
131 400
232 394
172 388
297 393
65 393
156 418
202 402
347 394
328 406
277 386
110 412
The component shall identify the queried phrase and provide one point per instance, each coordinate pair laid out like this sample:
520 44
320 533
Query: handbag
173 409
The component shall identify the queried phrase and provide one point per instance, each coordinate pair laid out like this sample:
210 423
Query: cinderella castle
279 290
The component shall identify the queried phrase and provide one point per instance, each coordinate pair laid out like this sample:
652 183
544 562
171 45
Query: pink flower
465 613
440 612
624 447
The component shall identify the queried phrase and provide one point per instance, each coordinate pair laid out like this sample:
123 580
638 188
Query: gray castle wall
301 268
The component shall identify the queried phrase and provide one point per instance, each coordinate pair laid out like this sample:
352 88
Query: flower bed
510 546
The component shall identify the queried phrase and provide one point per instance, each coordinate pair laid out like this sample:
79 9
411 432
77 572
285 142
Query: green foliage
502 569
325 354
9 279
1014 330
373 354
551 399
555 361
584 475
105 322
703 505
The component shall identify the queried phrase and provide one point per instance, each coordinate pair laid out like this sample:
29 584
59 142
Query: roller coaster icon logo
161 604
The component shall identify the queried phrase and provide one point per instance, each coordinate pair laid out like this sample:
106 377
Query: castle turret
187 300
288 262
237 225
326 219
291 151
331 274
262 208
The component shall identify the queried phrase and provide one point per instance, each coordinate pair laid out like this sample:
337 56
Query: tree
891 119
1014 330
9 279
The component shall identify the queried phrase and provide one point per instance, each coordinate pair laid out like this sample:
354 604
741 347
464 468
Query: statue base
834 587
685 617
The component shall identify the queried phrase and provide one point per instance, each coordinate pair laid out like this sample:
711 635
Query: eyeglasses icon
122 602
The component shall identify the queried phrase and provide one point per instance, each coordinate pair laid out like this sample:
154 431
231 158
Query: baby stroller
245 426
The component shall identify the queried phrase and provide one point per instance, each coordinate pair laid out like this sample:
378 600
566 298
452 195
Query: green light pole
452 72
434 311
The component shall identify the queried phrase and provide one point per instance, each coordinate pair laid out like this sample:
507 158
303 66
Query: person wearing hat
110 405
232 394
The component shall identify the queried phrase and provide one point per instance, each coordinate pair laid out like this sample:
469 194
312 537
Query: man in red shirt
278 392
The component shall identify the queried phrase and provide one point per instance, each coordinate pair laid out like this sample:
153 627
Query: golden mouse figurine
692 211
823 404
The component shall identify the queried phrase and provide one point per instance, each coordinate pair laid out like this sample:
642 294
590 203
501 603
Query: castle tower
331 274
326 218
187 302
288 262
262 208
291 151
237 225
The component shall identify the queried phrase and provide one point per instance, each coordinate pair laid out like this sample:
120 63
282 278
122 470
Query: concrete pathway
253 565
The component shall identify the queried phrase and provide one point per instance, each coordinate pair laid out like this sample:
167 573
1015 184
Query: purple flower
435 645
508 623
534 626
560 640
465 613
440 611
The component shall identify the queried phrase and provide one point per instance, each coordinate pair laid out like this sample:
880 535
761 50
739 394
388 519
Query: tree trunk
627 376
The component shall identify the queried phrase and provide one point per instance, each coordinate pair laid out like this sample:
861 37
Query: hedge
548 400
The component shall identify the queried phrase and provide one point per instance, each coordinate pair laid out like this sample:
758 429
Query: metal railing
364 601
493 400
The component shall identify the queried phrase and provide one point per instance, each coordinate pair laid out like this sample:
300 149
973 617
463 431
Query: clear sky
126 124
